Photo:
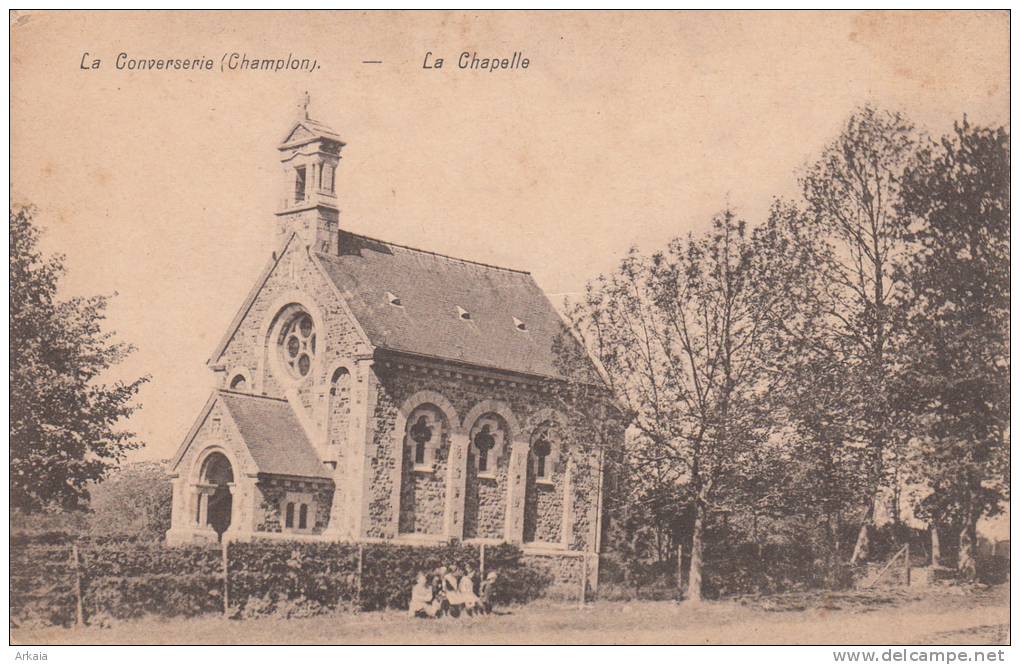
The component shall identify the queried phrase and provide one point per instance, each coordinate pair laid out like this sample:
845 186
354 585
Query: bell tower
310 155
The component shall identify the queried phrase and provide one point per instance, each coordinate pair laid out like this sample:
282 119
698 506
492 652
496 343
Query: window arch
216 469
339 405
239 380
488 438
545 451
424 435
292 343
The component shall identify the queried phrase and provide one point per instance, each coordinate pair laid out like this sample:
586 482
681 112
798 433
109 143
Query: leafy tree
956 374
681 333
852 193
135 500
813 393
62 418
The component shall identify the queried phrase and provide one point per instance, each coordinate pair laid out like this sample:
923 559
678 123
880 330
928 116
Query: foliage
63 420
41 584
135 500
956 368
851 194
786 379
683 333
126 577
275 577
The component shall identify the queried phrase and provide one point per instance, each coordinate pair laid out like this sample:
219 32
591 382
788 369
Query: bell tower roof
306 130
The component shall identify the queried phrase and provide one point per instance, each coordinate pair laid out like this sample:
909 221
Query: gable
289 271
308 130
262 433
213 426
300 132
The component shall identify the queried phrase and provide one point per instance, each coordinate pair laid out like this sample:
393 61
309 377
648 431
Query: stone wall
485 498
423 493
483 501
269 498
543 509
564 573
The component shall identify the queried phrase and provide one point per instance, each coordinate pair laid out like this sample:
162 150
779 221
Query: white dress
467 591
451 589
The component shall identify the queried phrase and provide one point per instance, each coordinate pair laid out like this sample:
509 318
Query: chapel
370 391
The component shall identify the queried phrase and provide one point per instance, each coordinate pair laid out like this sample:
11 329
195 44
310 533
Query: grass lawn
937 616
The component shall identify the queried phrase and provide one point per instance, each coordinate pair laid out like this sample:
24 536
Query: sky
625 129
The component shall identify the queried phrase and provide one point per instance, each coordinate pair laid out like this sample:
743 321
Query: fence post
481 564
680 571
361 561
226 577
906 564
79 605
584 580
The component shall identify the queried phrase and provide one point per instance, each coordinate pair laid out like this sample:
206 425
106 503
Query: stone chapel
369 391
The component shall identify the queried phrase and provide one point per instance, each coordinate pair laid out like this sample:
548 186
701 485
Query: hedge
124 578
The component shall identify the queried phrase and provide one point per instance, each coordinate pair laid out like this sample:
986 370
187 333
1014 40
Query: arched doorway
218 474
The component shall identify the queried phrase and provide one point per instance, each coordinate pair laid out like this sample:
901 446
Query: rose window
298 345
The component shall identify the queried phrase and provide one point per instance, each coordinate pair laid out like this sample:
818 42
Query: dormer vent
520 325
393 299
463 313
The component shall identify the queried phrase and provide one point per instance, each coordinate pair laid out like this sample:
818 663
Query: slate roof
430 288
274 437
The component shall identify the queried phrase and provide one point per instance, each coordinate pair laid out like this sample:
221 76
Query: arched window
339 406
484 442
545 449
421 434
296 343
297 511
542 450
239 383
424 435
488 436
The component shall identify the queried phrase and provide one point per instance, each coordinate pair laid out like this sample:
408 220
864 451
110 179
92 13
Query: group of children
451 591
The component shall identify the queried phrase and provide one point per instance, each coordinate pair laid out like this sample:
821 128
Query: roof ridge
240 394
435 254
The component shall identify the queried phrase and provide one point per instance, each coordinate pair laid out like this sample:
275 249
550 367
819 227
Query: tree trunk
936 547
966 565
694 578
862 548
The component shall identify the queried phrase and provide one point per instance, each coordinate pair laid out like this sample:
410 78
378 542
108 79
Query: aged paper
153 148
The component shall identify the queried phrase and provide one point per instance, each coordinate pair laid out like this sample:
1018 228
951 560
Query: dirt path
973 618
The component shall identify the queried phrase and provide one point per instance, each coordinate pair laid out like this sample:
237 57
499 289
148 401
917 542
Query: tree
135 500
956 374
681 333
813 392
853 192
62 418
